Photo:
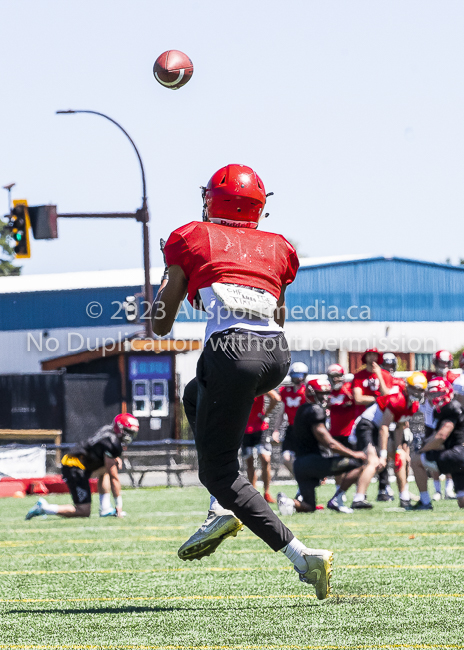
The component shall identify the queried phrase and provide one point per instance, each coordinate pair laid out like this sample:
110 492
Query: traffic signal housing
19 226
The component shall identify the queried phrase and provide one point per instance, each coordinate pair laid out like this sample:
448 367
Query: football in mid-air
173 69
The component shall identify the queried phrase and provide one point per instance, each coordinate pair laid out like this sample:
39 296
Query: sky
351 111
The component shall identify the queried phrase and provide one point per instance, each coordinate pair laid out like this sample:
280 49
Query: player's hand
377 369
359 455
119 462
276 436
382 464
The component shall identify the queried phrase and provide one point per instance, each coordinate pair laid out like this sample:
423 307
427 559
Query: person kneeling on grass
99 455
310 434
443 451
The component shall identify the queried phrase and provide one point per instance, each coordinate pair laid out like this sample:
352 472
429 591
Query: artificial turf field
398 580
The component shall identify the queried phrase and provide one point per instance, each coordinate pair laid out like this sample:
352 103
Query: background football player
310 434
443 451
372 430
257 439
100 454
368 384
342 413
292 397
442 361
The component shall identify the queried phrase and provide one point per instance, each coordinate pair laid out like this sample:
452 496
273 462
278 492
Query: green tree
457 356
6 253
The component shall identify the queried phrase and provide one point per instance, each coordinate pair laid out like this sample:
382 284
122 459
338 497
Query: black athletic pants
312 468
233 369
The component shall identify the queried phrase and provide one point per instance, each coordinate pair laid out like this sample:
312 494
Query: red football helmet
126 426
379 357
336 375
442 361
317 392
439 393
234 196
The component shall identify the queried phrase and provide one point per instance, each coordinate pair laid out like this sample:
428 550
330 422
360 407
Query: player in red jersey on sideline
369 384
442 361
257 439
342 417
238 275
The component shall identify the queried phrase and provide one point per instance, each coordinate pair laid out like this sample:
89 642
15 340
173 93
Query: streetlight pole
144 217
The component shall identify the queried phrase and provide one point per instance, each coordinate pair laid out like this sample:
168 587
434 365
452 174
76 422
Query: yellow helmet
417 380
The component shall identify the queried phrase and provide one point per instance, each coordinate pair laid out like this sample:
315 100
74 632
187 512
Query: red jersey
255 422
450 375
370 385
396 403
398 385
292 400
209 252
343 411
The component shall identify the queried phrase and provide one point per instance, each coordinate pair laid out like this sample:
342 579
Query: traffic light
19 225
43 221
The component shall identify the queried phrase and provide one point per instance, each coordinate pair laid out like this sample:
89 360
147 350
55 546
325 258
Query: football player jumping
101 455
443 451
310 434
239 276
372 430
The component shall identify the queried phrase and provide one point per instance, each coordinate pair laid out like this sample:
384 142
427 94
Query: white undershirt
220 319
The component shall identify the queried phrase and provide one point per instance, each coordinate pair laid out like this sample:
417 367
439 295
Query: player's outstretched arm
168 301
325 439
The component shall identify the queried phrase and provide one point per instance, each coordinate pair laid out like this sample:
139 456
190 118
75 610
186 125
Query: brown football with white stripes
173 69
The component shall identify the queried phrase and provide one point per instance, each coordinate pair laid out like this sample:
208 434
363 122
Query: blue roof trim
383 258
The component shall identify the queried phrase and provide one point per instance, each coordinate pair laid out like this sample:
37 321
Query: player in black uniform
100 453
443 451
310 434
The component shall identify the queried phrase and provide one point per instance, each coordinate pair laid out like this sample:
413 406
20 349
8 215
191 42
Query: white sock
437 485
425 498
359 497
405 494
294 553
50 508
105 502
213 503
449 485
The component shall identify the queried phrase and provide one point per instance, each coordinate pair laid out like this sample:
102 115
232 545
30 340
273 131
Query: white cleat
285 504
319 571
437 496
219 525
